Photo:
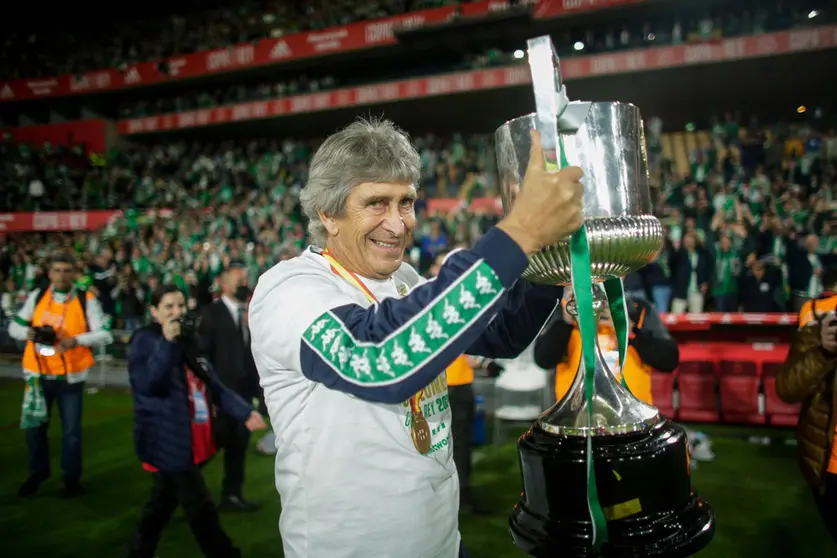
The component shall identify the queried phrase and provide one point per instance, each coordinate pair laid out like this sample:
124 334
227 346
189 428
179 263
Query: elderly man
352 345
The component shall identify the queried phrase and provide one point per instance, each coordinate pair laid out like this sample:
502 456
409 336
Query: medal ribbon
582 283
353 280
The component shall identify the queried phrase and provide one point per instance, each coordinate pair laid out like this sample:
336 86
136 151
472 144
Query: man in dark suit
691 272
225 339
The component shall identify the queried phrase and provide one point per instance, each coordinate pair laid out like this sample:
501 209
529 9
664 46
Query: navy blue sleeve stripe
503 254
527 310
397 347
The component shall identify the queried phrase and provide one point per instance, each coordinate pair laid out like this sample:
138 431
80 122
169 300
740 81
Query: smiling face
172 306
376 226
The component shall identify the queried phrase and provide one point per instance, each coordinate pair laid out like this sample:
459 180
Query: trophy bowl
640 458
623 234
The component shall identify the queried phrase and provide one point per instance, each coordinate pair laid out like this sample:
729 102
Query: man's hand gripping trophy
548 207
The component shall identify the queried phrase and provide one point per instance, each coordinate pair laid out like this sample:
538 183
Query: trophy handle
550 96
554 112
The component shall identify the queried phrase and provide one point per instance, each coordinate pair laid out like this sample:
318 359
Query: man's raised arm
387 352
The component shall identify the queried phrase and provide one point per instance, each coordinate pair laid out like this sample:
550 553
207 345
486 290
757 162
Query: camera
45 335
188 326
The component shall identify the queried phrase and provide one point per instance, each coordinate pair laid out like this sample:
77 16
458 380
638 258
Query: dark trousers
462 552
462 408
237 439
827 505
188 490
798 301
726 303
69 399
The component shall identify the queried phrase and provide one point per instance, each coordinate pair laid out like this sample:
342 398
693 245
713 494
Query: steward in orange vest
60 324
650 347
809 376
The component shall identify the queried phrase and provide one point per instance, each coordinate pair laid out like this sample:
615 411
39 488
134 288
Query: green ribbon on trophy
552 103
583 288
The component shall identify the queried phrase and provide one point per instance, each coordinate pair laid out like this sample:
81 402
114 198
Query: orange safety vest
815 308
460 372
68 320
810 312
637 374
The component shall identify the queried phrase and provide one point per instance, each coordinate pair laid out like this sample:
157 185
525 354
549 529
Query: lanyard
350 277
353 280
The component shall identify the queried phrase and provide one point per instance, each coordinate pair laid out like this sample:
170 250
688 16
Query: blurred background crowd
191 26
749 203
753 204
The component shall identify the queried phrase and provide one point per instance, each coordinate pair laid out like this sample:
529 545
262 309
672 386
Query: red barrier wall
92 134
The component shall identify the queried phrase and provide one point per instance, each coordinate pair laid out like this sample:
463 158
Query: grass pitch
763 508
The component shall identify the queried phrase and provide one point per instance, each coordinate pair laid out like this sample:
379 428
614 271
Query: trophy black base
644 486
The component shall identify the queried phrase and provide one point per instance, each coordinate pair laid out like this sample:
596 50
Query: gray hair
365 151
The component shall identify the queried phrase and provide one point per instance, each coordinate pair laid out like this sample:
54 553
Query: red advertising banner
347 38
92 134
770 44
557 8
54 221
703 321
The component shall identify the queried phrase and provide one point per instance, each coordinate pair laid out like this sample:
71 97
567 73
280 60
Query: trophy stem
615 409
599 305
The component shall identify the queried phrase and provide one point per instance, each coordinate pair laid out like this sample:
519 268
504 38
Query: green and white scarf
727 270
33 412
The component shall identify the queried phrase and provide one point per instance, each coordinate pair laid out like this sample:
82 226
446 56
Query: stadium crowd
30 54
750 227
754 203
744 18
25 53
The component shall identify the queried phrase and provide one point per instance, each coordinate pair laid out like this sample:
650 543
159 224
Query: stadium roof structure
769 87
677 83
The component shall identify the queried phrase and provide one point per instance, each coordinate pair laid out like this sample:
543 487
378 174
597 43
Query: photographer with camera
60 325
177 396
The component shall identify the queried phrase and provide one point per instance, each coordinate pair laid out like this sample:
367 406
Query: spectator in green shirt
726 277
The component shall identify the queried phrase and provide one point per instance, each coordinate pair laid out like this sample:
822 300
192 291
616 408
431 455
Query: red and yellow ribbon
355 281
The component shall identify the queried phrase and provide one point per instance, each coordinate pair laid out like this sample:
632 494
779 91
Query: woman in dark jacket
176 396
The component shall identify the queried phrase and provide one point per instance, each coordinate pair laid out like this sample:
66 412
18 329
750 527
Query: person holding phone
650 347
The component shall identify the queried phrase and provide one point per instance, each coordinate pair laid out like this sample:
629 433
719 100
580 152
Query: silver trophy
622 233
606 140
